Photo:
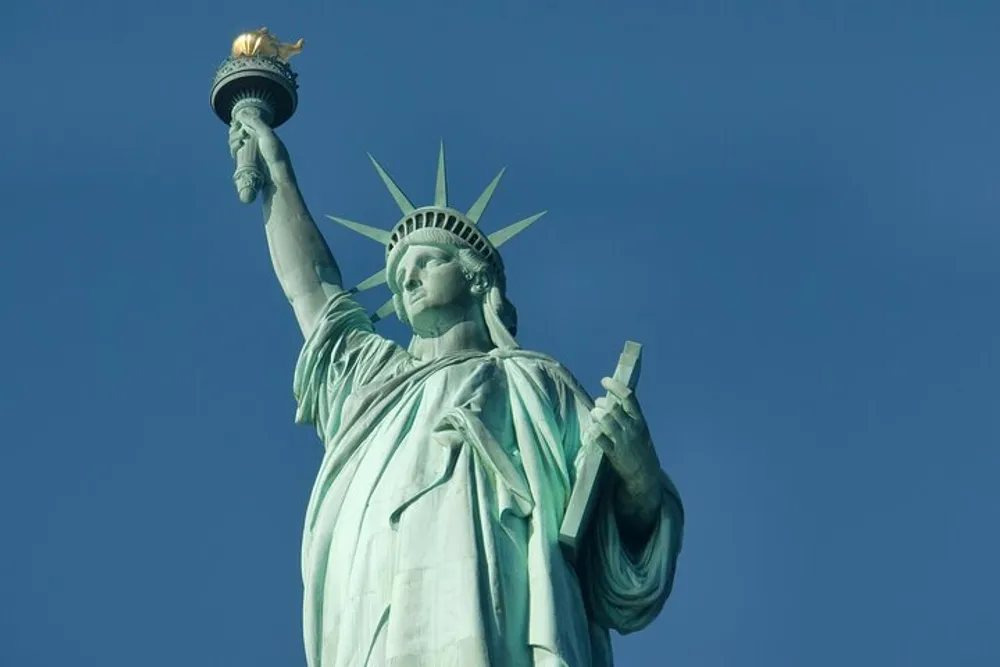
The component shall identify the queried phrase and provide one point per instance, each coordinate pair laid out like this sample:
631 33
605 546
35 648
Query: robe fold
432 531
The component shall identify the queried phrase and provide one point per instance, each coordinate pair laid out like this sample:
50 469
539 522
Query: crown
433 224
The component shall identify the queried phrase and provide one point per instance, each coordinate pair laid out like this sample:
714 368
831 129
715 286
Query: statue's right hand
248 124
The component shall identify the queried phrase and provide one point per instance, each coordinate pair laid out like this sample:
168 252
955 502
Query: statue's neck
467 336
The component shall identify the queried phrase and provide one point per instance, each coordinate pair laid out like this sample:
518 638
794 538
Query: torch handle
248 177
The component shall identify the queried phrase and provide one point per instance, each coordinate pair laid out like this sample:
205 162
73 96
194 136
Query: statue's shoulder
541 364
529 359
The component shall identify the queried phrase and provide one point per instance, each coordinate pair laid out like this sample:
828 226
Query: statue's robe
432 532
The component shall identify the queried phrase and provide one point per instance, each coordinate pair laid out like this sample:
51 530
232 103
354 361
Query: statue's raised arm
302 260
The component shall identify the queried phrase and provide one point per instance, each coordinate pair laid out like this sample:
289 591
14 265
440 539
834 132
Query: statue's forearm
302 260
638 497
637 510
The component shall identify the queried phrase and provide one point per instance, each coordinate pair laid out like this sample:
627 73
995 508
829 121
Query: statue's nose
411 282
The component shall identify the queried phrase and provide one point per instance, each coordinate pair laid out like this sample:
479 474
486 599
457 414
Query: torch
255 76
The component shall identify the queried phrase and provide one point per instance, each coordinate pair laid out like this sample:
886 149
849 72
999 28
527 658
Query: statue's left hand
620 430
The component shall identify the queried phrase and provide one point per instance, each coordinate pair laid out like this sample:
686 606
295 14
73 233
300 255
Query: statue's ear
481 283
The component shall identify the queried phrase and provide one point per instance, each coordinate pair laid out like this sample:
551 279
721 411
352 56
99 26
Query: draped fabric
431 534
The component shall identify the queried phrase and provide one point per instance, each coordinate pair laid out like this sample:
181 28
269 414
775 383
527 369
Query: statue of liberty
431 535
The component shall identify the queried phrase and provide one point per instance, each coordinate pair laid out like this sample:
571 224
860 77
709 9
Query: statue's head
442 269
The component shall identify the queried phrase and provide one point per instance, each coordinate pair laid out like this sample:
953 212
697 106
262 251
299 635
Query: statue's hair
476 270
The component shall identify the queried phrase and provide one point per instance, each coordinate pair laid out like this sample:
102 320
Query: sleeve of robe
341 356
625 588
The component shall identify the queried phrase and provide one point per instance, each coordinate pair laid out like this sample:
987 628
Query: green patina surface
474 505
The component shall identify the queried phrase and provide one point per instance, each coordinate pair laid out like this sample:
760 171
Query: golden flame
262 43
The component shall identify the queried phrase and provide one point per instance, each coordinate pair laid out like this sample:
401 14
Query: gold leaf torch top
262 43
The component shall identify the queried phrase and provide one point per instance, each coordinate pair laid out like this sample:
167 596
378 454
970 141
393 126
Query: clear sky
793 205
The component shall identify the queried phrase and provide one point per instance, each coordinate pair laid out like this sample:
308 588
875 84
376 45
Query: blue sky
794 206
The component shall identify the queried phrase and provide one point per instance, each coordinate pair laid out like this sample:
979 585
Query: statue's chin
428 318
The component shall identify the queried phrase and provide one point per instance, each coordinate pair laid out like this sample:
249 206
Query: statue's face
435 291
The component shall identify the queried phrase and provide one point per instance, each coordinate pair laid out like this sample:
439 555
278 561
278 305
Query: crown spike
500 237
386 309
374 233
441 187
371 281
477 209
404 204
